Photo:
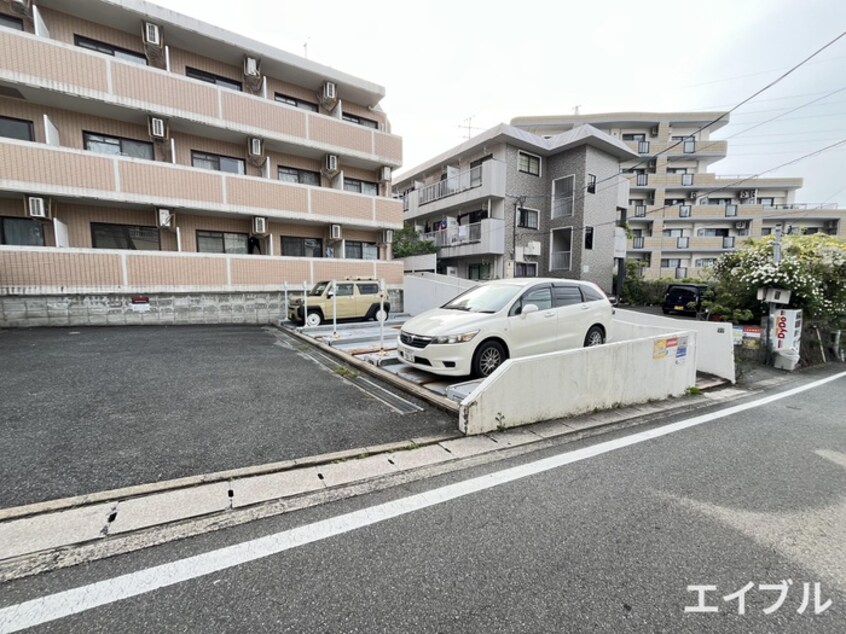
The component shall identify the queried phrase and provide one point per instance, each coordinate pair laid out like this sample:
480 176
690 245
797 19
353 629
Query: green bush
407 243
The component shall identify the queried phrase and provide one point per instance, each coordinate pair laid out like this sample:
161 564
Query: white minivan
478 330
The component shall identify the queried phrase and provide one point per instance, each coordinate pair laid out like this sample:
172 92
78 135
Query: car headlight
462 338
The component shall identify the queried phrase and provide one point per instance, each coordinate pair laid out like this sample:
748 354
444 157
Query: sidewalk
36 537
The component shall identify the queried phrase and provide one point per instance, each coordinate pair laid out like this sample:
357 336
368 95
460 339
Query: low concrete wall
716 346
561 384
429 290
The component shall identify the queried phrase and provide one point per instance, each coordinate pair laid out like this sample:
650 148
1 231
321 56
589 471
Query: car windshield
318 289
483 299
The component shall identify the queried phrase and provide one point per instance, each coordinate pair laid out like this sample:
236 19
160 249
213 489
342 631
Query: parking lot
100 408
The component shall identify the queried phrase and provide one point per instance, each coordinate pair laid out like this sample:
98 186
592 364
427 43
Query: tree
407 242
812 267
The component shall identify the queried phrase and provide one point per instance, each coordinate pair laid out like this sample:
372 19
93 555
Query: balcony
39 270
637 242
560 261
479 238
85 175
640 211
82 79
484 181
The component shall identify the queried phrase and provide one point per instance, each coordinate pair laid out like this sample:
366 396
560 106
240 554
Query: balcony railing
643 147
682 243
455 235
684 211
731 210
687 179
689 146
637 242
560 261
640 211
728 242
453 185
562 206
642 180
681 273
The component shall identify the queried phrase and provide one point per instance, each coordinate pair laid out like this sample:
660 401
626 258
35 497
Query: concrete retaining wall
429 290
560 384
716 347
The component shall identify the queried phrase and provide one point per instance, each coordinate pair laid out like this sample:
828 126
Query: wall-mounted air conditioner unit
152 34
741 224
386 236
166 219
385 174
37 207
452 271
532 248
158 128
331 163
334 232
693 195
251 67
330 91
259 225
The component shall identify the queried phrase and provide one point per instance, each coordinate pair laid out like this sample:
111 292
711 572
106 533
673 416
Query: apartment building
681 216
508 203
157 168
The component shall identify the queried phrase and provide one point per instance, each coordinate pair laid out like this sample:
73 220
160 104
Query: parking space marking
59 605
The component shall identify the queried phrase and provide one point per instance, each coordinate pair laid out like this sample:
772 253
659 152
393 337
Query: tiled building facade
144 152
681 216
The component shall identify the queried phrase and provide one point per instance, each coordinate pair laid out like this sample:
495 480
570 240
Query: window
528 163
634 137
766 231
588 237
103 144
673 233
344 290
671 263
562 196
368 289
528 218
208 161
367 123
302 247
23 232
221 242
713 233
356 250
296 102
11 22
539 296
525 269
591 184
296 175
766 202
16 129
566 295
107 236
210 78
361 187
592 295
108 49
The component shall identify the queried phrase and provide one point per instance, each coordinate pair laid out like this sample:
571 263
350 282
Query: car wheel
595 337
314 318
666 311
487 358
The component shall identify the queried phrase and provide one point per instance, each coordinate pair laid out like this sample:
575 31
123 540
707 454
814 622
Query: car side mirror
330 294
527 309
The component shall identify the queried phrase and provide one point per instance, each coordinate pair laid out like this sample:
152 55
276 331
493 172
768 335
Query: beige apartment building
156 168
682 216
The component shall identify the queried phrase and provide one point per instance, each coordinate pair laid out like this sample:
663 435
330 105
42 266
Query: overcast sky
443 63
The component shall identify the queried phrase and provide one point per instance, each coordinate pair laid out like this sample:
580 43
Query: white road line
56 606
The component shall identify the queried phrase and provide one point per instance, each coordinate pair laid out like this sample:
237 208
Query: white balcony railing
453 185
560 261
455 235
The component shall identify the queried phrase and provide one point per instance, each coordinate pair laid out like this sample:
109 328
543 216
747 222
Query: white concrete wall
429 290
561 384
716 348
427 262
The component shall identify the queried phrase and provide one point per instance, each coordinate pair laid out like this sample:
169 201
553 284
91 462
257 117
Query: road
608 534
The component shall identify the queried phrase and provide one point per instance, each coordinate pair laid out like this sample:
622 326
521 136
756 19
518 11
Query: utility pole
521 200
770 305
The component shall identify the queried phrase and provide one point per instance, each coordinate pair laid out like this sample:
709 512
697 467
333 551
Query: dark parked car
685 299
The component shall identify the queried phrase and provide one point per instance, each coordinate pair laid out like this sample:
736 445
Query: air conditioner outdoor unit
152 34
157 127
452 271
387 236
166 219
741 224
255 147
334 232
259 225
747 193
330 91
21 7
532 248
251 67
331 162
693 195
386 173
38 207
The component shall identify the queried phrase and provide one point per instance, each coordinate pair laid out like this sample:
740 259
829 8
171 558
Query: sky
449 65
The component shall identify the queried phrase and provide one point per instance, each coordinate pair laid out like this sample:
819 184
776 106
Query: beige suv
355 299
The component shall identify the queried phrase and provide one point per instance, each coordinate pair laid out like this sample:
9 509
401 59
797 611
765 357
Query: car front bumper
454 359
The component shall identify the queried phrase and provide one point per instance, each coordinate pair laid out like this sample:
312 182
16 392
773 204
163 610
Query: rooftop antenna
305 47
576 109
468 124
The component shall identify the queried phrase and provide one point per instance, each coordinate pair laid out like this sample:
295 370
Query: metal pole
382 316
334 310
305 302
286 300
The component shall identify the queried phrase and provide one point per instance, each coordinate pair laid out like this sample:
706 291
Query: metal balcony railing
637 242
450 186
682 243
560 261
640 211
684 211
731 210
455 235
687 179
643 147
562 206
728 242
642 180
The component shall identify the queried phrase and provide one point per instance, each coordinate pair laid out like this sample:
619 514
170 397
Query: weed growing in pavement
345 372
694 391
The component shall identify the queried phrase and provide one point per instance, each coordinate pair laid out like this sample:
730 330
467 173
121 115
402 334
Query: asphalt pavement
613 541
91 409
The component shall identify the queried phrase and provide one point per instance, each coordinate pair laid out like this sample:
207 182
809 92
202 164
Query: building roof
205 39
624 119
582 135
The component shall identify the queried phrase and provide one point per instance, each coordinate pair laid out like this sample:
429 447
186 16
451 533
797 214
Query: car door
344 300
533 333
573 315
365 296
